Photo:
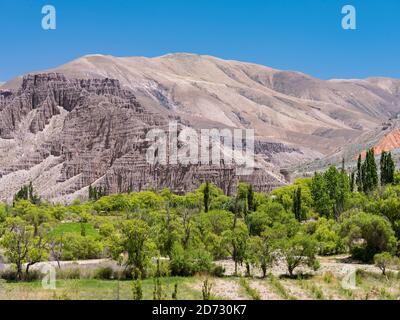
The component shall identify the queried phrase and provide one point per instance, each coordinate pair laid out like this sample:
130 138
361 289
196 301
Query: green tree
33 214
383 261
257 222
390 168
327 235
250 199
359 176
77 247
297 204
299 250
387 167
206 193
137 291
27 193
237 238
370 181
95 193
132 247
22 246
262 251
337 188
319 191
352 181
368 234
169 231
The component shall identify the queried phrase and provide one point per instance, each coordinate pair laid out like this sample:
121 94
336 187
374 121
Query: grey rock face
65 134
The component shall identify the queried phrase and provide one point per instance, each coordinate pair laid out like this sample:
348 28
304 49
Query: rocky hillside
85 122
282 106
65 134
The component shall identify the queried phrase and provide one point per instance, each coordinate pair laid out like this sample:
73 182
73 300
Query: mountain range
85 122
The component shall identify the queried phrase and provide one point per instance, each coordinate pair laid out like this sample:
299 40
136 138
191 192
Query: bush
77 247
329 241
384 260
104 273
202 261
179 264
251 292
69 274
218 271
9 275
367 235
186 263
160 268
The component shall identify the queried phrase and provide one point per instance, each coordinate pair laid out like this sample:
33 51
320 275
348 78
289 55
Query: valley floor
324 284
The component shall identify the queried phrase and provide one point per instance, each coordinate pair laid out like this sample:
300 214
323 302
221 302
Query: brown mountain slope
64 148
65 134
282 106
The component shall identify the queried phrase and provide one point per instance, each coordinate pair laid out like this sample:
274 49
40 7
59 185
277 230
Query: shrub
251 292
69 274
33 275
299 250
218 271
179 264
77 247
137 292
104 273
206 290
367 235
384 260
328 277
9 275
186 263
326 233
161 268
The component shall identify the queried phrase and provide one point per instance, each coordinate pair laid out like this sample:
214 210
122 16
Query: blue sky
296 35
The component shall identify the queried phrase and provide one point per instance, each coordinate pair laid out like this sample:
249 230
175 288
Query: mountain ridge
297 118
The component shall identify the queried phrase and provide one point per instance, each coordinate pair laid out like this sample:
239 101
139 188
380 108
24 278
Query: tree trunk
248 269
264 271
291 269
19 271
236 268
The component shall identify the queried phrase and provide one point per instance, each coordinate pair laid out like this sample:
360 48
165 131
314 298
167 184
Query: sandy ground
338 265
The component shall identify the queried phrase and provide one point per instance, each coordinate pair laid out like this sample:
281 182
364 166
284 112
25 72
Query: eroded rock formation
65 134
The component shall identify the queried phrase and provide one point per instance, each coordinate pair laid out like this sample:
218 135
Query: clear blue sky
301 35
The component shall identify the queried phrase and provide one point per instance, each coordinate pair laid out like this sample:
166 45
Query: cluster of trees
95 193
330 191
388 168
26 193
322 215
367 178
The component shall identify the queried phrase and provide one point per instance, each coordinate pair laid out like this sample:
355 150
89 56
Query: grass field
72 227
91 289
